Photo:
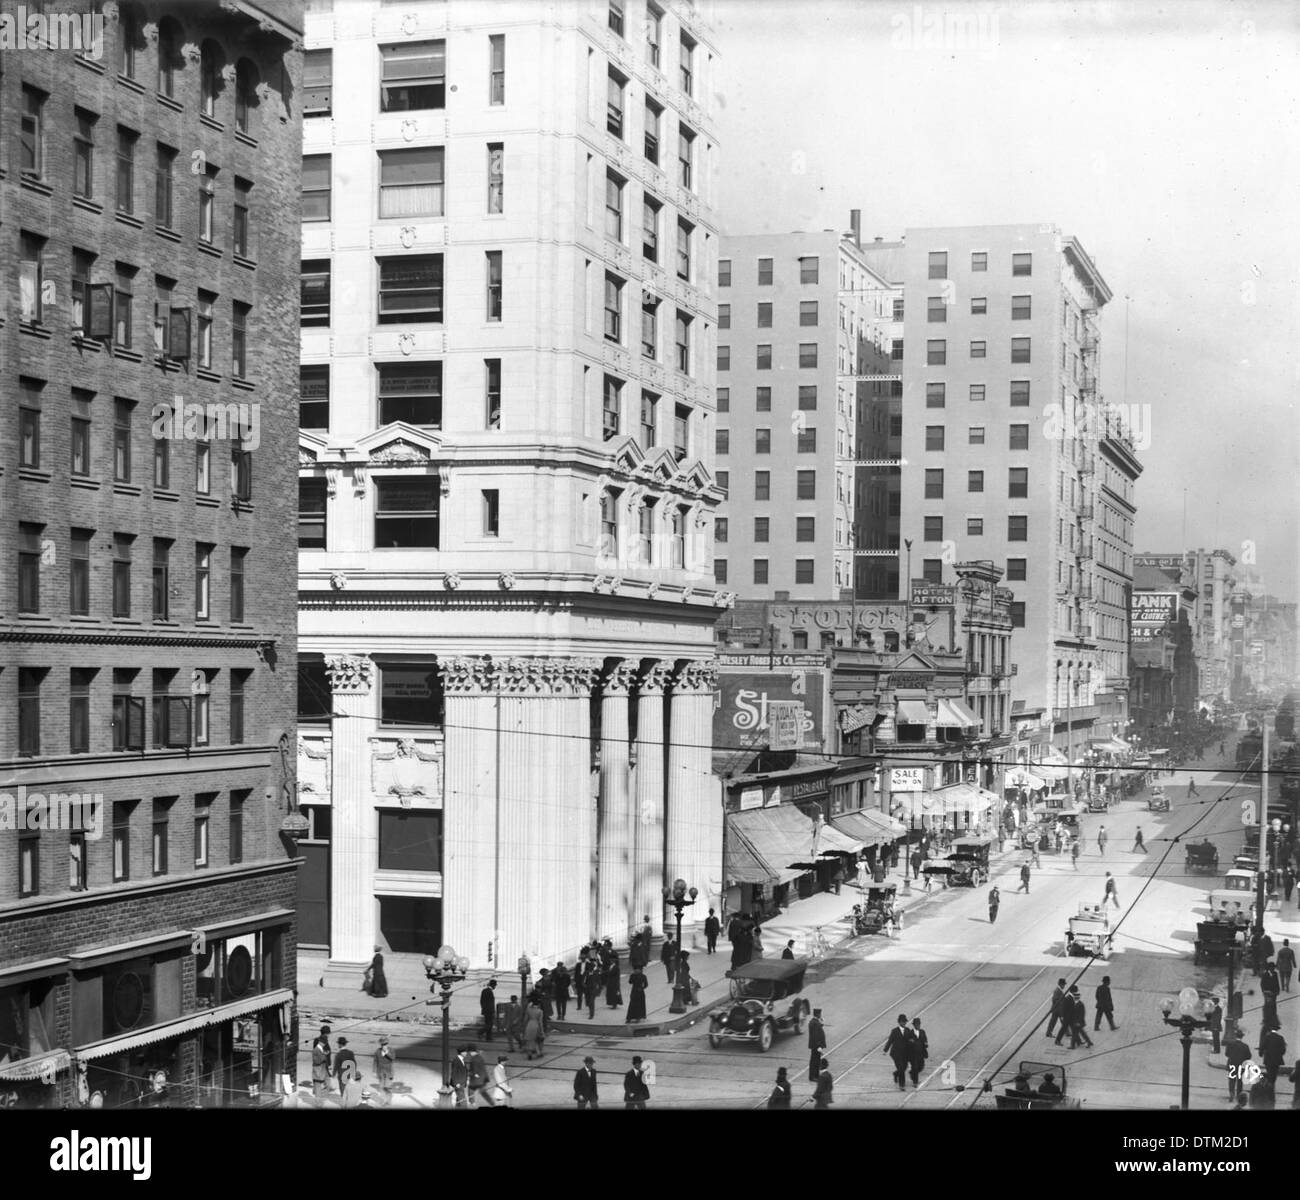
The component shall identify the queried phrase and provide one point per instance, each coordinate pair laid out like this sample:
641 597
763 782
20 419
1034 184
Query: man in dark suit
477 1083
920 1050
1237 1053
345 1064
560 989
1272 1053
824 1094
584 1085
899 1046
1105 1005
816 1044
487 1005
1058 1006
712 927
635 1091
1049 1087
459 1081
788 952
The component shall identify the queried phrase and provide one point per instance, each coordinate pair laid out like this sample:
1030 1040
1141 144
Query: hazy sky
1164 136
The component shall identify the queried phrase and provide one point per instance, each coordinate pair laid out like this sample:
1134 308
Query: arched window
246 80
169 56
211 61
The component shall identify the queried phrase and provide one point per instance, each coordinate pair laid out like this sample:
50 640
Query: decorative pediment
628 456
311 449
399 444
912 661
659 465
694 475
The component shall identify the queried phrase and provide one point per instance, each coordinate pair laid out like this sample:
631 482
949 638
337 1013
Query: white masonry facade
506 475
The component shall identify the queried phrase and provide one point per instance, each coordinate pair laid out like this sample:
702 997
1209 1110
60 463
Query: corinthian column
615 814
469 834
648 841
352 841
694 811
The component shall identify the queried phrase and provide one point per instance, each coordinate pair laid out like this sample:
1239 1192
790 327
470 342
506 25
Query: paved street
981 990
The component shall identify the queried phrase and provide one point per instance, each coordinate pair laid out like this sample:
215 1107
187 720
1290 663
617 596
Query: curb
648 1029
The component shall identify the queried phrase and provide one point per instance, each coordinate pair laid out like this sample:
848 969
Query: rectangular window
161 812
613 207
496 177
1019 393
976 435
208 205
807 312
687 63
83 154
316 173
122 841
684 231
1022 264
686 157
938 261
978 349
79 573
202 818
161 578
934 483
1021 308
724 316
202 468
126 143
807 397
410 289
29 567
123 305
682 341
203 327
974 481
29 425
236 839
936 352
805 529
31 278
317 83
410 183
722 441
239 340
653 120
762 485
122 574
720 529
724 400
723 479
760 570
163 187
804 570
616 17
202 581
238 561
933 529
1018 437
494 280
979 260
650 328
932 570
1017 614
492 392
724 358
724 272
935 395
976 393
809 270
934 437
162 464
653 33
650 419
1017 529
763 357
650 210
1017 568
806 485
238 690
122 410
311 514
765 314
314 292
613 308
936 309
681 432
31 146
411 392
611 407
240 226
414 76
29 711
406 513
491 512
1018 482
614 98
762 441
497 68
29 863
763 399
807 441
979 305
609 523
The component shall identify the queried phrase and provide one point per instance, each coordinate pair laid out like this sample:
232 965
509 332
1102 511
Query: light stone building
506 581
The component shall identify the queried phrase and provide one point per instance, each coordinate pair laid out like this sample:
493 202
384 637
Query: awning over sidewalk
830 839
959 797
857 717
762 843
1019 777
870 826
954 714
43 1068
913 712
1109 745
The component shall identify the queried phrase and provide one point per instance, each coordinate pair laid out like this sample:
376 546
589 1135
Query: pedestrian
321 1056
345 1064
383 1065
479 1077
1237 1053
995 898
734 927
647 931
1214 1019
1074 853
377 981
683 983
637 983
1285 964
1139 846
916 864
1101 841
613 983
1105 1004
1288 881
545 990
1191 786
1112 892
513 1021
668 956
780 1097
1058 1006
1078 1020
487 1005
1060 839
824 1094
899 1047
1272 1053
502 1093
635 1090
591 988
1262 1093
459 1082
920 1050
756 942
560 981
712 927
816 1044
1220 747
1024 879
534 1035
1049 1088
585 1091
788 952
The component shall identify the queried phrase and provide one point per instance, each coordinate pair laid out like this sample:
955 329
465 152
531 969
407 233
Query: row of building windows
179 721
1017 482
936 393
937 307
1017 436
1022 263
808 314
805 570
763 356
805 440
1017 528
654 543
618 125
654 41
809 271
617 331
126 814
406 391
407 513
410 289
936 351
614 419
805 399
653 229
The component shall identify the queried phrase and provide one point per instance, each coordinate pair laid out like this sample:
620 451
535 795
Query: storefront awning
184 1025
762 843
870 826
1109 746
913 712
962 711
858 717
1018 777
836 841
43 1067
959 797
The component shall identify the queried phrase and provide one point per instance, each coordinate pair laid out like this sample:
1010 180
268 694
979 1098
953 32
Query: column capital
618 679
466 675
696 675
351 673
655 677
537 676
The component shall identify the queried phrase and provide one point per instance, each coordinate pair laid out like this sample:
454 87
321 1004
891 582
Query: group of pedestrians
636 1084
746 937
342 1067
1070 1013
909 1047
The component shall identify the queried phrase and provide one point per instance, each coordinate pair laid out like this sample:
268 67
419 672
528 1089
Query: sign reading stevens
748 688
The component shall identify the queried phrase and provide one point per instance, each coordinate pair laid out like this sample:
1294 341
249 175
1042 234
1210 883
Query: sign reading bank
748 688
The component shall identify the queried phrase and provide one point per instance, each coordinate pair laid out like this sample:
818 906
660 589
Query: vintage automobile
969 860
1157 801
1027 1090
766 1001
1235 900
1202 856
1089 932
1098 800
1047 817
1216 938
877 912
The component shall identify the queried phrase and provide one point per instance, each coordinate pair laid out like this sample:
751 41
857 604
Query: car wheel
975 877
714 1040
765 1036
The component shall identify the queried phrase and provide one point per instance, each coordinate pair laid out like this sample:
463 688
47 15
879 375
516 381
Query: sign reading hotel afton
925 593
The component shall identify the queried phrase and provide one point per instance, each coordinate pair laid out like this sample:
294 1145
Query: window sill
244 385
246 138
170 234
83 619
85 484
35 474
38 618
243 261
127 489
131 85
166 364
211 122
207 374
166 494
242 506
90 64
209 248
168 102
129 219
133 623
165 623
36 329
81 342
88 205
34 183
127 354
206 502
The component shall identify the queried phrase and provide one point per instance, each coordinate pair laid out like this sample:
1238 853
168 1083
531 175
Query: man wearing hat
816 1044
635 1091
320 1062
345 1064
383 1065
1049 1086
487 1005
584 1084
824 1094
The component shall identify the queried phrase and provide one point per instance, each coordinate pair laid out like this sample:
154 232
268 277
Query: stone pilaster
352 843
693 805
648 841
614 822
469 810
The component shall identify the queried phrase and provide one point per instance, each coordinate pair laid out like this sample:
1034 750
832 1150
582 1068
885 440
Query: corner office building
149 214
506 589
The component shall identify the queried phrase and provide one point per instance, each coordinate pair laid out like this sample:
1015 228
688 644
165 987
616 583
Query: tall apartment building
506 494
801 320
1011 457
149 214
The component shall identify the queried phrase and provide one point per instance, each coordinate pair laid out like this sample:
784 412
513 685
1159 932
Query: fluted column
648 853
693 807
352 840
469 838
614 823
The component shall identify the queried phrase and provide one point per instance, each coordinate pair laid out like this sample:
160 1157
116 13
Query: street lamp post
443 971
1191 1017
677 896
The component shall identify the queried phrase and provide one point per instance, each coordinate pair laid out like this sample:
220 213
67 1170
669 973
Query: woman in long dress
636 1005
533 1030
613 981
378 980
756 939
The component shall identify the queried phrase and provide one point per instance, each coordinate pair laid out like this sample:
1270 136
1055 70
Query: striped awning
913 712
856 718
42 1068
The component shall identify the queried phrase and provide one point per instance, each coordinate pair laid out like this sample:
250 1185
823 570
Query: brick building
149 212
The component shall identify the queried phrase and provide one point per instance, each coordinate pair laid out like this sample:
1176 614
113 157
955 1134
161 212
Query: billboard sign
794 690
784 725
907 779
1153 608
925 593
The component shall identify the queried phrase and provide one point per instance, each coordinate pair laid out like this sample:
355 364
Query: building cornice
77 636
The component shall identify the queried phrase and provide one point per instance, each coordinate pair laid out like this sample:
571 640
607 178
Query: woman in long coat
613 981
636 1005
378 980
533 1030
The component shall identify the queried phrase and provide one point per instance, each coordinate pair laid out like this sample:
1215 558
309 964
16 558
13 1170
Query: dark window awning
869 826
762 844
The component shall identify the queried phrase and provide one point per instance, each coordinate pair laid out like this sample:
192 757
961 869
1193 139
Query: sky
1166 137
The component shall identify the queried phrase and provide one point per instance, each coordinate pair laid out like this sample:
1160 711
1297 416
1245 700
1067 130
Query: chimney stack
855 226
